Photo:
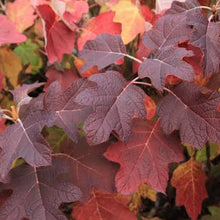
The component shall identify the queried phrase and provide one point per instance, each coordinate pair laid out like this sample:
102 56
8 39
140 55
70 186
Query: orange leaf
10 65
79 63
150 107
21 13
189 180
103 23
104 206
129 15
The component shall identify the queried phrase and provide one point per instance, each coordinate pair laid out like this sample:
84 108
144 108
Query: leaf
150 106
29 54
207 38
201 154
163 4
91 169
10 65
193 113
54 136
142 53
164 64
21 13
23 139
63 110
65 77
168 32
103 206
2 125
20 95
143 191
189 181
109 99
59 38
129 15
8 32
71 11
215 213
102 51
145 157
103 23
38 192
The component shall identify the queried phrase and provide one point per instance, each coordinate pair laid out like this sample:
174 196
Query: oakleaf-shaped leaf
103 51
23 139
166 63
115 102
145 158
167 32
104 206
8 32
189 181
206 36
129 15
91 168
193 111
63 110
20 95
38 192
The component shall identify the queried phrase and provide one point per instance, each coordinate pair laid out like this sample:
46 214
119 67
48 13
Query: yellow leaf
144 191
10 65
129 15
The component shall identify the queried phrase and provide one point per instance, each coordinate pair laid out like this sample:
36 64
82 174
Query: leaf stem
133 58
143 83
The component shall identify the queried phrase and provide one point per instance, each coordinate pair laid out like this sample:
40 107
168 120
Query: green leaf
201 154
54 137
215 213
29 54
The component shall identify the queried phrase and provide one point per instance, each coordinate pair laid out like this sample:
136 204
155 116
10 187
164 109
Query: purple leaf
167 62
91 168
20 95
38 193
193 111
23 139
115 103
103 51
63 110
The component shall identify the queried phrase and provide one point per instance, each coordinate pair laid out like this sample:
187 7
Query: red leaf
65 78
8 32
59 38
103 206
142 53
109 99
189 180
102 51
91 168
103 23
145 157
193 113
38 193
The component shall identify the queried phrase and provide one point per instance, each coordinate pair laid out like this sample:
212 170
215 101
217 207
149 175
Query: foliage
126 108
